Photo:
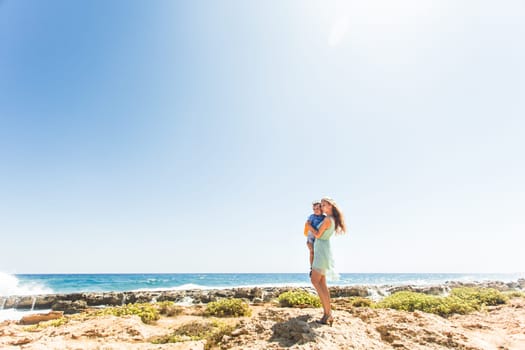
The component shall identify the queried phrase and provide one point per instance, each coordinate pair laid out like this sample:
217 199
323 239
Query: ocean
34 284
31 284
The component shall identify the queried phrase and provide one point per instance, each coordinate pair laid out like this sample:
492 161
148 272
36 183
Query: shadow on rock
297 330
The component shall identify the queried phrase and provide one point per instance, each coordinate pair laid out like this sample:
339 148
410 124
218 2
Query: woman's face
327 207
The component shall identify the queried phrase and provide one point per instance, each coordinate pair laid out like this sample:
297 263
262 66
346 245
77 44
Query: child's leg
311 249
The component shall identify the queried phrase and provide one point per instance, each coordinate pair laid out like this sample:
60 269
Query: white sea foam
375 293
191 286
16 315
186 301
10 285
272 285
181 287
260 285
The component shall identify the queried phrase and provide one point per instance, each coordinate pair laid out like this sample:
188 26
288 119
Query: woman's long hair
340 225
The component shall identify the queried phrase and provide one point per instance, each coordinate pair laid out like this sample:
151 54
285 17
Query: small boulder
37 318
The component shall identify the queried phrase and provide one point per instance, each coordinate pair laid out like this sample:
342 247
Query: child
312 223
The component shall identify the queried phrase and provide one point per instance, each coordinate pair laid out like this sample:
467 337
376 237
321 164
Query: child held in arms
312 224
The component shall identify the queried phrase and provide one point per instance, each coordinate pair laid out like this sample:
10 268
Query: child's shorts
310 238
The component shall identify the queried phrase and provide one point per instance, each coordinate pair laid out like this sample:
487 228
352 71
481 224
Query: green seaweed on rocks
232 307
299 298
212 332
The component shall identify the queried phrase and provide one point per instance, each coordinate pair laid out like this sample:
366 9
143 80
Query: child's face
317 209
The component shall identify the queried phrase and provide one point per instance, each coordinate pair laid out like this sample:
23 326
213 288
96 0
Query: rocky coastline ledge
264 324
77 302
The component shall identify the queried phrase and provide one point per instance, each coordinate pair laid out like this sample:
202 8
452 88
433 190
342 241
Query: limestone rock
521 282
337 292
70 307
37 318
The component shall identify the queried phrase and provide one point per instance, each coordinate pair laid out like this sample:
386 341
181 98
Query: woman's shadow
296 330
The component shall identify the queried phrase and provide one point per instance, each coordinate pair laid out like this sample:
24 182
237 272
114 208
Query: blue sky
192 136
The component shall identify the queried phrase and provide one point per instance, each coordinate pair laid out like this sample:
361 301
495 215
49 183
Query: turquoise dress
323 260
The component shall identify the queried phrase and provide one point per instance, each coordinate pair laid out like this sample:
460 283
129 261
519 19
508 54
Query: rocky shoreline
77 302
268 325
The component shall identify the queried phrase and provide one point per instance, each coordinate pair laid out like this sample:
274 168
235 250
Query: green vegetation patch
481 296
45 324
299 298
514 294
147 312
410 301
212 332
348 303
460 301
360 302
168 308
232 307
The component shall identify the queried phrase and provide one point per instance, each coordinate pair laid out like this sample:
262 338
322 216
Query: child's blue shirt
315 220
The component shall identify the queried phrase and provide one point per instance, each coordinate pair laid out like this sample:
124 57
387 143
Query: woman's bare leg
327 307
319 282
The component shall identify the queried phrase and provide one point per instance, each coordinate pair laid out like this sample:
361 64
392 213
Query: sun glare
378 20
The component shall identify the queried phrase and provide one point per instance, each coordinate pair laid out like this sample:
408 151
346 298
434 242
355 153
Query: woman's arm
324 226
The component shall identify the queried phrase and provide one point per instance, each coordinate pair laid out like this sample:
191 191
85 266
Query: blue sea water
30 284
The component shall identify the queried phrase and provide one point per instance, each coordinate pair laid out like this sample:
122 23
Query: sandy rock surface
273 327
501 327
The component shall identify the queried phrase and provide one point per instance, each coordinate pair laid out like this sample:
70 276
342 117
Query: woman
323 265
